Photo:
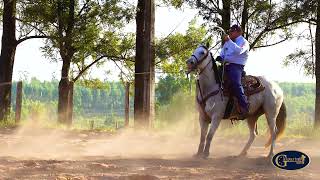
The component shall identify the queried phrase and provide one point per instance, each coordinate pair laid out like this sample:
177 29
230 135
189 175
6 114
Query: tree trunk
226 14
139 65
150 61
64 86
144 65
8 50
317 71
65 29
244 20
70 103
18 102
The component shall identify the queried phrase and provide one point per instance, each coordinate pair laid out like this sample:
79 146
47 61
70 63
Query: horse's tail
280 123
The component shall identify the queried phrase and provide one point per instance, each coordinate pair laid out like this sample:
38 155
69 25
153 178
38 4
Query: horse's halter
196 61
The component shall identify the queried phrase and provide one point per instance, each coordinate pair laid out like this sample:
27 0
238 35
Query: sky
266 62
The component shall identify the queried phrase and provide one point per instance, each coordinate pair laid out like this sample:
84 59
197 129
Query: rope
156 72
6 83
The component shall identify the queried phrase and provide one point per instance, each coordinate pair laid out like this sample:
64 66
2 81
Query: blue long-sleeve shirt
235 52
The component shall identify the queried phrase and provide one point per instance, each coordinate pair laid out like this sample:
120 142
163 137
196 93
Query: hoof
243 154
270 156
205 155
198 155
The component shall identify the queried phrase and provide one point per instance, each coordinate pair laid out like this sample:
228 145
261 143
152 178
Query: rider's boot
244 112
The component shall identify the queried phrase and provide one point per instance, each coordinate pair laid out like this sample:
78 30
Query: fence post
18 102
91 124
127 105
116 123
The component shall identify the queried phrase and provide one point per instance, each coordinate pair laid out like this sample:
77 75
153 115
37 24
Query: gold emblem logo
282 160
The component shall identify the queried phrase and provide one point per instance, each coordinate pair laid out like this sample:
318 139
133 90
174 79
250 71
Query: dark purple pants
234 73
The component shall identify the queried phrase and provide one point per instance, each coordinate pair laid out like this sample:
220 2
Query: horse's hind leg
271 116
252 122
204 129
273 132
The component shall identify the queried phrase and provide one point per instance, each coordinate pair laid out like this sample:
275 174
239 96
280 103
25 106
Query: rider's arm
222 53
238 49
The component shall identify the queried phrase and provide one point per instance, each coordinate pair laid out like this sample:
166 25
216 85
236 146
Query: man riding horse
265 97
234 54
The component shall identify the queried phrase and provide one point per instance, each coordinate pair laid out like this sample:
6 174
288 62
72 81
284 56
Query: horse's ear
207 44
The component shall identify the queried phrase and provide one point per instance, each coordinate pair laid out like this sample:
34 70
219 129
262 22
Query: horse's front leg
215 121
204 129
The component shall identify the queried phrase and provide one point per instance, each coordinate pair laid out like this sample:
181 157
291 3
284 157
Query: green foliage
1 12
8 123
174 3
87 101
168 86
300 100
92 32
175 106
267 22
173 51
304 57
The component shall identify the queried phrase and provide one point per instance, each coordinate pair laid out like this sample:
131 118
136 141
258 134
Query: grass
8 124
82 124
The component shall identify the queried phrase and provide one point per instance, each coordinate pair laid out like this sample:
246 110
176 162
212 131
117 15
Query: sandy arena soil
30 153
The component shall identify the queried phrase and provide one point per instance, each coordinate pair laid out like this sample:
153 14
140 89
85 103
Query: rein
204 68
204 99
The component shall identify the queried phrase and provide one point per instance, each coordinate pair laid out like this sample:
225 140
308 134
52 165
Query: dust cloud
31 141
34 152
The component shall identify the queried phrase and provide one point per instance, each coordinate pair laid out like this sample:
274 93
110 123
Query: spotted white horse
268 102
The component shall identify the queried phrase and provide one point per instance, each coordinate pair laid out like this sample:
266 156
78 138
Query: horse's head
198 58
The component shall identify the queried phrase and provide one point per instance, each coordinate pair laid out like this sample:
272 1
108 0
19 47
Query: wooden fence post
18 102
127 105
91 124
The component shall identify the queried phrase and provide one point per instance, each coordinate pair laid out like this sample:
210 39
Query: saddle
251 85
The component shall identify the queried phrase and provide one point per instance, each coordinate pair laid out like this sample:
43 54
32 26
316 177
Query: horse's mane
217 70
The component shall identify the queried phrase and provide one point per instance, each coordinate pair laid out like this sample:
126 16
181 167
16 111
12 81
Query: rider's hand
219 58
226 38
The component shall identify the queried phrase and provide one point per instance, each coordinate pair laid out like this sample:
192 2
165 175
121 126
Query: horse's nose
190 61
190 64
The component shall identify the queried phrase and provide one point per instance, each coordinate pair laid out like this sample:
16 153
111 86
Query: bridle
199 61
203 99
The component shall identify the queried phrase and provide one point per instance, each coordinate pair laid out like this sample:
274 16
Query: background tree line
171 92
87 100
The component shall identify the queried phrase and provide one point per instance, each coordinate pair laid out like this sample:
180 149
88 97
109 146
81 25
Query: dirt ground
31 153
